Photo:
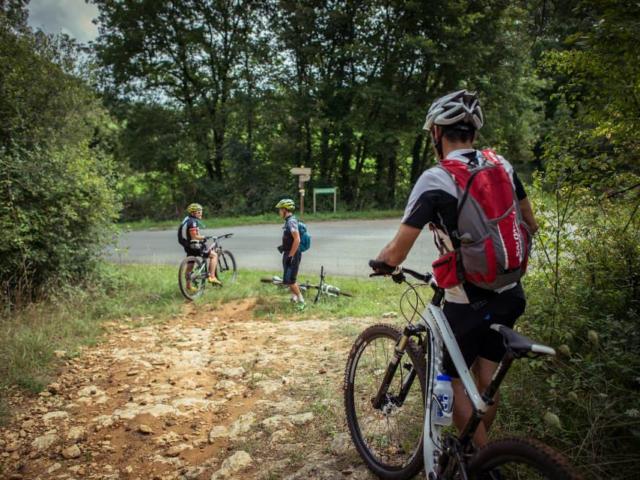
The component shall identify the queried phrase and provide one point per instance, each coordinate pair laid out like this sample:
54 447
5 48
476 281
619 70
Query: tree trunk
345 166
392 173
218 138
416 158
324 155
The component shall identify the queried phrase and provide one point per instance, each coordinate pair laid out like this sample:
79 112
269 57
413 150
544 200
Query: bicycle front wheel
388 438
520 458
192 277
226 269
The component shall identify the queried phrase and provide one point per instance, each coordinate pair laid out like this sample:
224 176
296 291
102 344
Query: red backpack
492 242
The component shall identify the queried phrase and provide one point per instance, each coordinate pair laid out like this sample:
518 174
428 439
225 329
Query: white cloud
73 17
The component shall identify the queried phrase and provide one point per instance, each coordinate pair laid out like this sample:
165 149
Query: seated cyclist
196 243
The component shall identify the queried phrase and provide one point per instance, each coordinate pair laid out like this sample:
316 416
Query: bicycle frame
438 333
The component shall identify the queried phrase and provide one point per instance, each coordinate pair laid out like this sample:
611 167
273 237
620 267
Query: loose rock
43 442
145 429
75 434
235 463
219 431
242 425
71 452
176 450
301 418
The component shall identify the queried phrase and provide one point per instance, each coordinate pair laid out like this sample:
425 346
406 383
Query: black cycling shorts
290 266
202 251
471 326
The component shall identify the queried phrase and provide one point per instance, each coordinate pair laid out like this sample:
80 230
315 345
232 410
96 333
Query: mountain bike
194 270
323 289
392 410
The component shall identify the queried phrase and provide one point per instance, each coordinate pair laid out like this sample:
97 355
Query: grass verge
73 317
222 222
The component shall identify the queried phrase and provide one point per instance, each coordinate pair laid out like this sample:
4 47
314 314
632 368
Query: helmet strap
437 143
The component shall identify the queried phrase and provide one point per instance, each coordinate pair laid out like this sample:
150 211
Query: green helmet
194 207
287 204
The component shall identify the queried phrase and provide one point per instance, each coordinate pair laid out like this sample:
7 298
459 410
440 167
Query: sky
72 17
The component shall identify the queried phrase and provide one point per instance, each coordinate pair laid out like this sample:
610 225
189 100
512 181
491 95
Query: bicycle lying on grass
323 288
396 419
194 270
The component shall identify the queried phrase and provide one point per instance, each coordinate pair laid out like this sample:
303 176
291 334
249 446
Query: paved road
343 247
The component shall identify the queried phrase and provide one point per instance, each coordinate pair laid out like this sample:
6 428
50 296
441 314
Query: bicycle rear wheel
226 269
519 458
192 277
389 438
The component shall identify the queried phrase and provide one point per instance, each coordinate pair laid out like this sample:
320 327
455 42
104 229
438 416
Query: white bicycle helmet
457 107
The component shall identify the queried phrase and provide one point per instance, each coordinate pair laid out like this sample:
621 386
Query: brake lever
398 277
378 274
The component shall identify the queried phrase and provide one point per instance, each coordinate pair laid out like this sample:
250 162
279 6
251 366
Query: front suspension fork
398 353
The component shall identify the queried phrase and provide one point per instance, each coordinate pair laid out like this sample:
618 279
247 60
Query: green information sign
326 191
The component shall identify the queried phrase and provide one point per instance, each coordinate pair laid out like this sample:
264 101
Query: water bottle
443 391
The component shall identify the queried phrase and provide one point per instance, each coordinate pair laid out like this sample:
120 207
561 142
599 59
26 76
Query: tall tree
188 52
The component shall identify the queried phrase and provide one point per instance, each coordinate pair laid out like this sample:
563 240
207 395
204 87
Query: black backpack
182 239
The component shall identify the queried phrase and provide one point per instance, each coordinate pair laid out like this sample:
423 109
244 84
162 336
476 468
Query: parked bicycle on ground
397 414
194 270
323 289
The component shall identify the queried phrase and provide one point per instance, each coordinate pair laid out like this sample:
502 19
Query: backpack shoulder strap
491 156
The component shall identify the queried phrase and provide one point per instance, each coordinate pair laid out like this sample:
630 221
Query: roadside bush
56 200
583 295
56 210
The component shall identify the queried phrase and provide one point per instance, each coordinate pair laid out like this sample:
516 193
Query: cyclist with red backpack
482 223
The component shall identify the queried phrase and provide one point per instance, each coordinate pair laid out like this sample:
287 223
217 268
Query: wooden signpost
304 175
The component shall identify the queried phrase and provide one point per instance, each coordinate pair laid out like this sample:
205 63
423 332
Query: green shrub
56 176
583 299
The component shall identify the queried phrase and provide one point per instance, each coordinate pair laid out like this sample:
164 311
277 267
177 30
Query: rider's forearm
294 246
395 252
391 255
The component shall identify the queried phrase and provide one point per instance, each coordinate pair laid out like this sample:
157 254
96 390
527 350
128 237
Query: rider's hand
381 268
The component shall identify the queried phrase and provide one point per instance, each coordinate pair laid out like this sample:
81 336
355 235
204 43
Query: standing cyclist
452 122
195 246
290 249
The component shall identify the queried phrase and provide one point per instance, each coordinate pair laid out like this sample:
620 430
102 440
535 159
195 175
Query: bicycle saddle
519 344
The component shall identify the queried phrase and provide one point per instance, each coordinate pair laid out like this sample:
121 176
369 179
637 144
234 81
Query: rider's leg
295 289
188 274
213 262
462 410
290 275
483 370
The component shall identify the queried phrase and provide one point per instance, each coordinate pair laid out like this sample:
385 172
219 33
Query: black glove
381 267
280 248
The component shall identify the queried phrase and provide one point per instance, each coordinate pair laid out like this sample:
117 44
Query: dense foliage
214 101
56 195
222 98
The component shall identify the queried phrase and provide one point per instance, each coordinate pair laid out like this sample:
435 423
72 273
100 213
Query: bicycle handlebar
398 273
211 237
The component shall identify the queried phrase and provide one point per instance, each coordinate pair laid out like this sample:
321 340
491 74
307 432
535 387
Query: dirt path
211 394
